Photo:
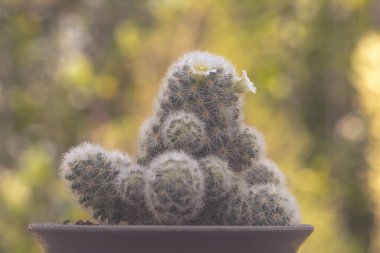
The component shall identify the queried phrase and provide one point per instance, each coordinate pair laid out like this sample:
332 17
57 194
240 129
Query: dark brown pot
56 238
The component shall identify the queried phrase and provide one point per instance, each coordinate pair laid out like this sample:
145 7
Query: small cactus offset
197 163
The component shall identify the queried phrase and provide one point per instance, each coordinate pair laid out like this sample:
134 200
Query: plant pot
57 238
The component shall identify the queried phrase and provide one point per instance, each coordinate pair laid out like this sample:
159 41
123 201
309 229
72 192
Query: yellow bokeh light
366 63
127 38
14 191
106 86
366 67
76 70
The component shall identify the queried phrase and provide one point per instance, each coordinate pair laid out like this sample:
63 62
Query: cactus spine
196 163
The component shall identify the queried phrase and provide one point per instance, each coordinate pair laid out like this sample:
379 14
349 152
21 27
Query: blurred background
73 71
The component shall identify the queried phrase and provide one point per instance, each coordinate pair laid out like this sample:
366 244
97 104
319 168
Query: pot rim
57 226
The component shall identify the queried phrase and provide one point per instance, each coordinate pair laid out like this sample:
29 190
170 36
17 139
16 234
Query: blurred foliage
72 71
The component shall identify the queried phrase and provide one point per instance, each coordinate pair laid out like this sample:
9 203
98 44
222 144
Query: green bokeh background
89 70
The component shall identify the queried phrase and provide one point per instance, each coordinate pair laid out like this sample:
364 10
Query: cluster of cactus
196 163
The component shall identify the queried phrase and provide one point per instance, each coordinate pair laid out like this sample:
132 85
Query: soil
79 222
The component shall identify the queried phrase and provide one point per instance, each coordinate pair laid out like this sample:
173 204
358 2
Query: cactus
197 163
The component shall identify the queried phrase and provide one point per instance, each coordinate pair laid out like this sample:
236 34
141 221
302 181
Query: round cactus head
272 205
174 188
183 131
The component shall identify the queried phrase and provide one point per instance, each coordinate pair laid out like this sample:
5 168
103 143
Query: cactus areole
197 163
